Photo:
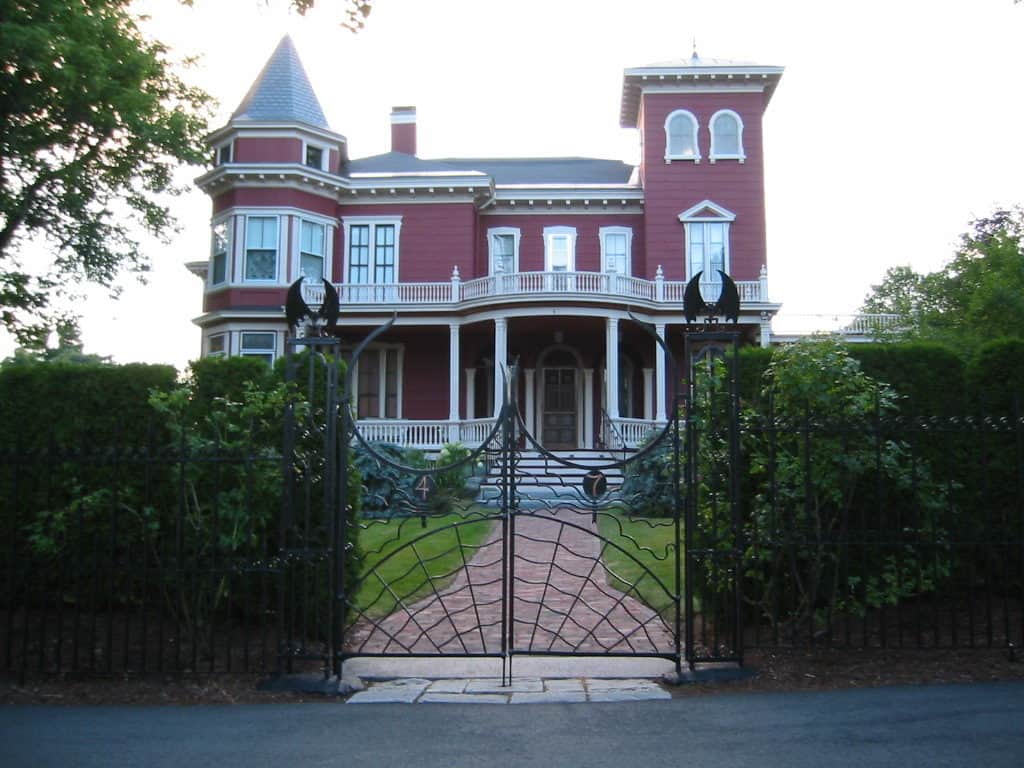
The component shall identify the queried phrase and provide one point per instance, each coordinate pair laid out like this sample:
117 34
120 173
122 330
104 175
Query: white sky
896 121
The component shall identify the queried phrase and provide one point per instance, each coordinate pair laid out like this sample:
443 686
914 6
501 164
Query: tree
93 123
977 296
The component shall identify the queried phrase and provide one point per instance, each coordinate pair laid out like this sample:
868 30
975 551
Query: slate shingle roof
544 170
282 92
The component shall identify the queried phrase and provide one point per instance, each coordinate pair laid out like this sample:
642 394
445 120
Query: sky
895 124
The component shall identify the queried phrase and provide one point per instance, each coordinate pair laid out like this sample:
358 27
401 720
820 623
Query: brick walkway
561 601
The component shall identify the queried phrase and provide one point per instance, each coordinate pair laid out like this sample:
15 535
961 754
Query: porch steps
542 481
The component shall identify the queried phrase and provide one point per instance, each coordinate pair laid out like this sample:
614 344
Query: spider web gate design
561 559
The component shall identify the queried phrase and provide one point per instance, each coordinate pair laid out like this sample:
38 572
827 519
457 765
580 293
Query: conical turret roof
282 92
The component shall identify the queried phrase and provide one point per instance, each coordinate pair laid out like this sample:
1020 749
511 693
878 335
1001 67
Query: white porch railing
858 327
424 433
632 432
524 284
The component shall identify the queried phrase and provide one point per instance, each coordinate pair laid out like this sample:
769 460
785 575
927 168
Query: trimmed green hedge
996 376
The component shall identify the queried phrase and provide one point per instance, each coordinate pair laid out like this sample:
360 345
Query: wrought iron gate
554 553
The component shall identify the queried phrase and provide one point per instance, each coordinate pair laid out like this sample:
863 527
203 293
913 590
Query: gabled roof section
282 92
695 71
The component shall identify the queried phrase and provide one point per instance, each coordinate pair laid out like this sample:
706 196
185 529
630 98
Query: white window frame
226 223
224 337
603 233
244 351
492 234
714 154
325 155
381 350
372 222
218 157
328 242
277 249
700 215
550 233
669 154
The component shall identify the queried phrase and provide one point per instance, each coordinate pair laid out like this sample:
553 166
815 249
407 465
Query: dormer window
681 137
315 157
726 136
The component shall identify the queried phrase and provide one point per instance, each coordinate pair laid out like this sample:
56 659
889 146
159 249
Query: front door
559 417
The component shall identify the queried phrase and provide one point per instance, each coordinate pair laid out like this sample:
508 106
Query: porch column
588 407
500 360
648 400
528 374
470 393
611 376
453 383
659 375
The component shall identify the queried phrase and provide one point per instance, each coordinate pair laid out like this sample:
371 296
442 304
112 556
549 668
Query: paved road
976 725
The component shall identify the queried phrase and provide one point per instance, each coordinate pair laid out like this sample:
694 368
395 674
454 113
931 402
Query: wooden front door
559 417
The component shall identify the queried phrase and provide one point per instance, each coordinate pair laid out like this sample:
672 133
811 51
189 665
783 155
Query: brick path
561 601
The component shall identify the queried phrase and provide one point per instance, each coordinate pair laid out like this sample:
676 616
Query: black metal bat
296 308
728 303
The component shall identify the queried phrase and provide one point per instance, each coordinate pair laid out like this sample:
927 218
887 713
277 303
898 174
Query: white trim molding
715 155
706 210
706 225
684 114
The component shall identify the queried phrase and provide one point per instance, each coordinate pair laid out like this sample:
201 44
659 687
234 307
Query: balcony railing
525 285
859 327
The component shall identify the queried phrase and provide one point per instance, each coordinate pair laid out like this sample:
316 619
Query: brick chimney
403 130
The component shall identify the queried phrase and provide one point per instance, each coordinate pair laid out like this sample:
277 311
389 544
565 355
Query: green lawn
402 559
636 537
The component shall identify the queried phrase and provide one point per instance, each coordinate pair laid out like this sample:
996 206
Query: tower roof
282 92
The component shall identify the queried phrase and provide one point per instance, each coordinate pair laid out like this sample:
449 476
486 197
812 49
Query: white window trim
713 155
669 157
281 234
258 352
325 154
379 349
229 237
372 221
549 233
296 263
707 212
628 232
230 146
491 233
226 352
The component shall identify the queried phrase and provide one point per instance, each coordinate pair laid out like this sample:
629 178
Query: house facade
538 260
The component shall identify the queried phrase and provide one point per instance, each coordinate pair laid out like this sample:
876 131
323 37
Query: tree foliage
93 123
978 295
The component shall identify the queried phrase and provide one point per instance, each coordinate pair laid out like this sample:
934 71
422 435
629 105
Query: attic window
315 157
223 154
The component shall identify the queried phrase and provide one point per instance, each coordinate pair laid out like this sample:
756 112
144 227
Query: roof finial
695 58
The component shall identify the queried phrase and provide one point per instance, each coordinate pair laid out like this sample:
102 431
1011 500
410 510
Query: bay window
261 248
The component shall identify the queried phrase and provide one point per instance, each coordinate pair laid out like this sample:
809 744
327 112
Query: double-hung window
372 256
312 242
681 137
261 248
707 244
219 254
615 254
726 136
259 344
559 256
504 249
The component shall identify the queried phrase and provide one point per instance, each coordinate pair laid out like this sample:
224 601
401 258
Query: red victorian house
540 259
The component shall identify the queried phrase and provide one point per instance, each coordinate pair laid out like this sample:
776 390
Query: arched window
726 136
681 137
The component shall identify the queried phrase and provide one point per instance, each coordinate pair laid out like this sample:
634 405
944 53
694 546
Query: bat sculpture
728 303
296 309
